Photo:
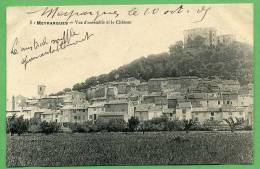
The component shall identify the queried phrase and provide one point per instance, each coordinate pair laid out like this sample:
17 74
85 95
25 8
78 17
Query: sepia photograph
104 85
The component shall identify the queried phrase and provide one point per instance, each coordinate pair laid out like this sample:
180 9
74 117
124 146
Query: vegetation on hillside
234 61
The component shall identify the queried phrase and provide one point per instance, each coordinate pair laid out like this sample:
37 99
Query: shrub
170 125
133 123
17 125
49 127
110 125
116 125
34 125
248 128
100 125
34 128
80 128
160 124
159 120
210 124
93 128
178 125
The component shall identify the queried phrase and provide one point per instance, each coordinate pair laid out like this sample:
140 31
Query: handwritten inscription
68 38
71 14
57 12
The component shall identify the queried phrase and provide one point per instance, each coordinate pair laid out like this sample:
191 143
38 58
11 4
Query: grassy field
130 148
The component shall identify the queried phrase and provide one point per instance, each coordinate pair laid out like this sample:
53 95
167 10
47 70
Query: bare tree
188 124
233 123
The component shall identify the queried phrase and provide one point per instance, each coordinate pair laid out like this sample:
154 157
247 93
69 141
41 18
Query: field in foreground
130 148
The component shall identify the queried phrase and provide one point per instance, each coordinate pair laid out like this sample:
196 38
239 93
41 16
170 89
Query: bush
100 125
171 125
116 125
160 124
94 128
248 128
111 125
178 125
49 127
34 125
80 128
34 128
133 123
211 124
17 125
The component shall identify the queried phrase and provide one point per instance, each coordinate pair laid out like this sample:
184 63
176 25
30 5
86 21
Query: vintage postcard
129 85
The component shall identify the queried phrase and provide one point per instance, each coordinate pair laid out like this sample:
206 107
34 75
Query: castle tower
41 91
207 33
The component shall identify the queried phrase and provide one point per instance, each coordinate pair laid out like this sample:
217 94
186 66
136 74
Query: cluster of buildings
209 35
178 98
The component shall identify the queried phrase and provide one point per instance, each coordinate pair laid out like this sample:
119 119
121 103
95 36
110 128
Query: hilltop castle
210 36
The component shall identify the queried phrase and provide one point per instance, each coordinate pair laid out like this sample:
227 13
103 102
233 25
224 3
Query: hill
234 61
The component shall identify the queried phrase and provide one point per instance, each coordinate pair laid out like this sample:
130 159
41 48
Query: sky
111 46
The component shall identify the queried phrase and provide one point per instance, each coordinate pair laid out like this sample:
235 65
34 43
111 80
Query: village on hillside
178 98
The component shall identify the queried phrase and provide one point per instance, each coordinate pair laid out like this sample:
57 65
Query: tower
13 103
41 91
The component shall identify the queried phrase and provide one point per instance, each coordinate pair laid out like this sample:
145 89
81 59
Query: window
183 111
212 113
230 113
75 117
228 102
218 102
211 118
61 113
196 119
170 114
84 110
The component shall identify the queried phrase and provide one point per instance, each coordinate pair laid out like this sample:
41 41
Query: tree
49 127
233 124
133 123
17 125
67 90
177 47
188 124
